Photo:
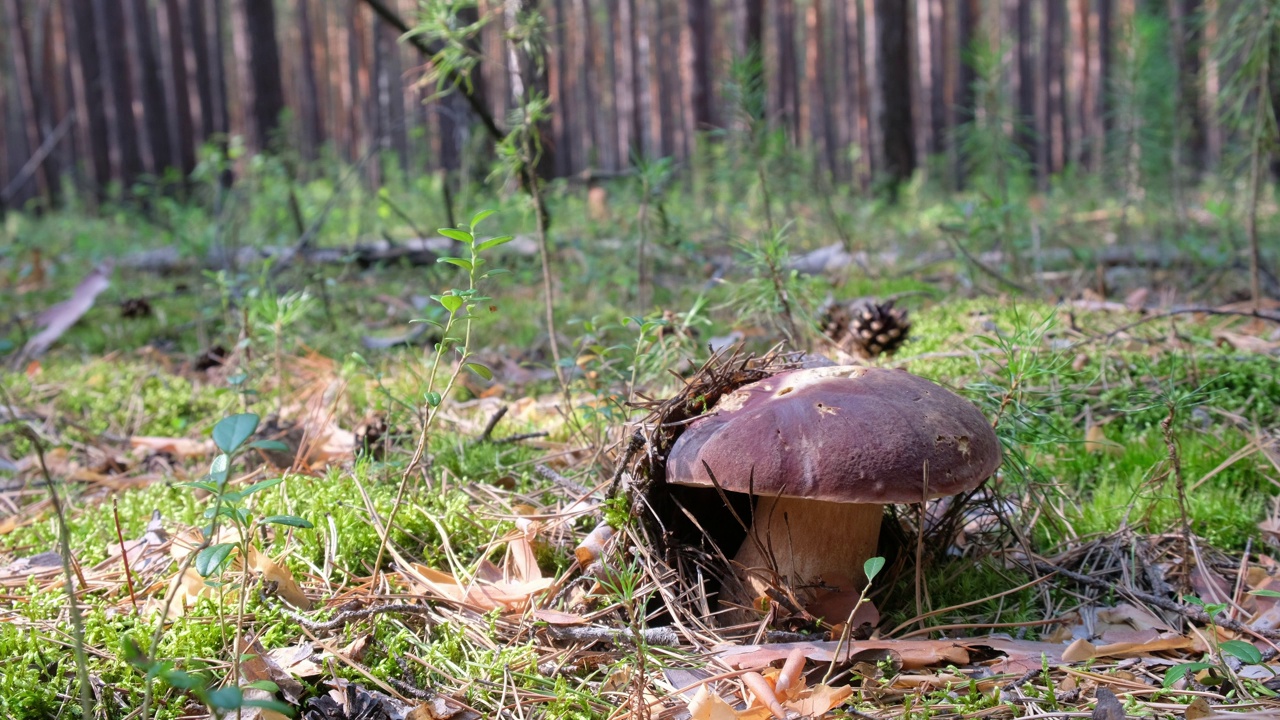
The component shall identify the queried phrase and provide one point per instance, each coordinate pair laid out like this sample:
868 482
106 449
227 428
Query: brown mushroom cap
839 434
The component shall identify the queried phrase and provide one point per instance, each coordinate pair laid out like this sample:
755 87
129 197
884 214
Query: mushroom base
816 548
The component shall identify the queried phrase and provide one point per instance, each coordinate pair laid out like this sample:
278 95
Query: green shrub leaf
213 559
290 520
459 235
231 431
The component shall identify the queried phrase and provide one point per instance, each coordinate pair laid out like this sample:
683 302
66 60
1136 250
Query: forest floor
222 465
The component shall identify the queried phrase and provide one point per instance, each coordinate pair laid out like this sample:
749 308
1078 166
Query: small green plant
1216 659
776 293
232 436
273 315
871 568
463 306
201 684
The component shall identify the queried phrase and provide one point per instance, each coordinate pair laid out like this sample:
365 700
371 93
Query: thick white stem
811 545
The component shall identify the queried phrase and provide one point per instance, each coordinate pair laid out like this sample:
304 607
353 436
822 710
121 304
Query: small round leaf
231 431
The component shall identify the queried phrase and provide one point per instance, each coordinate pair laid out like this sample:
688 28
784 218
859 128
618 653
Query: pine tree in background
1251 36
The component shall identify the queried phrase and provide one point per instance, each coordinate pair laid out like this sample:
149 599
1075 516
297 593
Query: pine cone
866 328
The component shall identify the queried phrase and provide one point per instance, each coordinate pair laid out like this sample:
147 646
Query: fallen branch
37 159
662 636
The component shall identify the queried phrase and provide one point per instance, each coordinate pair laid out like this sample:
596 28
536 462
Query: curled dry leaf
486 591
191 587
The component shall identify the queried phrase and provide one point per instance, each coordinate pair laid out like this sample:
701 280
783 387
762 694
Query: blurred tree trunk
1027 137
123 146
27 99
937 75
892 28
158 151
1212 85
626 86
254 24
1055 65
753 26
173 61
1077 79
309 98
855 91
87 90
786 95
698 51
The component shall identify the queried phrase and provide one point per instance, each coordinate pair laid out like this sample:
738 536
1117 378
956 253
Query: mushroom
824 449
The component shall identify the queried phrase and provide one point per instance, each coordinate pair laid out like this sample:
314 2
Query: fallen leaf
177 447
1246 343
915 654
822 700
258 665
1198 709
486 591
1096 441
1079 651
708 706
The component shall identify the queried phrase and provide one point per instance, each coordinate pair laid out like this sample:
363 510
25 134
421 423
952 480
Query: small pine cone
866 328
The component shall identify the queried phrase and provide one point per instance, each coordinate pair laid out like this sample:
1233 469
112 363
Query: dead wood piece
347 616
662 636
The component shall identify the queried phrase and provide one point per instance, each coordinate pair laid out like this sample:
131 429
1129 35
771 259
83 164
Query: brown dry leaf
1198 709
258 665
184 543
821 699
1079 651
708 706
555 617
915 654
190 588
1164 643
1246 343
488 591
286 587
1096 441
298 660
177 447
520 564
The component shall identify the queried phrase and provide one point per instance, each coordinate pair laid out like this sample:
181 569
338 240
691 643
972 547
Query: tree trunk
309 99
1055 32
87 87
625 87
697 65
173 51
255 24
892 28
159 150
752 26
1027 137
1212 86
126 166
787 100
28 96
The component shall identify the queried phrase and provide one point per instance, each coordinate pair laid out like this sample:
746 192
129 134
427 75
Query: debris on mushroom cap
839 434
